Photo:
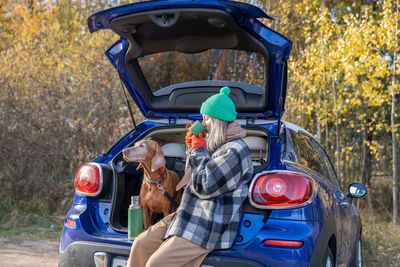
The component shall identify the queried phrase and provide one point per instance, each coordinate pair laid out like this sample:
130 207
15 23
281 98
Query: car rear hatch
172 55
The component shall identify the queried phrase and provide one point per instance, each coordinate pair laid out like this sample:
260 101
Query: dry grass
381 240
30 226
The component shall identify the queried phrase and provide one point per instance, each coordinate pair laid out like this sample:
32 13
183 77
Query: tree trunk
345 167
353 163
221 70
327 136
364 153
318 130
369 168
337 130
393 123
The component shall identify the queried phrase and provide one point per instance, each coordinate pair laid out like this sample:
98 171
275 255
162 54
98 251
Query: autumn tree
344 80
60 101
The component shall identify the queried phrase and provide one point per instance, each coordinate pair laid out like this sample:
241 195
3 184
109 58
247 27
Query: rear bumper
79 246
82 253
91 254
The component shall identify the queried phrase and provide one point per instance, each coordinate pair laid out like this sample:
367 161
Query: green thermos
135 218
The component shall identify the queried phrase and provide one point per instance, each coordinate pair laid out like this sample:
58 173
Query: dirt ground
24 253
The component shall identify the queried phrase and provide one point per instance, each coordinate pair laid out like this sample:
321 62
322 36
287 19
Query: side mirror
357 190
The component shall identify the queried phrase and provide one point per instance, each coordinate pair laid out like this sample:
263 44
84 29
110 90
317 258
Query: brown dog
152 199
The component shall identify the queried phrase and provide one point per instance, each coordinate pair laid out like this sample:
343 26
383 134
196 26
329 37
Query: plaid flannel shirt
209 212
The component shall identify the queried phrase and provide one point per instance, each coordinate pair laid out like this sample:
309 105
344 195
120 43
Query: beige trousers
149 249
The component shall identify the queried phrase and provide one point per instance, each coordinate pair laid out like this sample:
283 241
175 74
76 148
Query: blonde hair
217 135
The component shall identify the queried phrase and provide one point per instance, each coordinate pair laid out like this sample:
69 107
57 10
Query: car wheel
357 259
329 260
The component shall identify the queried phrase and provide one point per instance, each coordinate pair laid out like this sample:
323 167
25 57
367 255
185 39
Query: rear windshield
167 68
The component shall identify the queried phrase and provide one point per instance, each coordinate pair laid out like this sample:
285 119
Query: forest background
61 104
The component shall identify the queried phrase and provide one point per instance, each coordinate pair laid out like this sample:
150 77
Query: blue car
171 56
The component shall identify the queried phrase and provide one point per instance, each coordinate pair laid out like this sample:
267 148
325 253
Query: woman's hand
197 141
189 134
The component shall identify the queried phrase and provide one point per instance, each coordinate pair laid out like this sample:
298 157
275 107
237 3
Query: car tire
329 260
357 259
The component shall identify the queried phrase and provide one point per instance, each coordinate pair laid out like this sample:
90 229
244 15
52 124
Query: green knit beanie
219 106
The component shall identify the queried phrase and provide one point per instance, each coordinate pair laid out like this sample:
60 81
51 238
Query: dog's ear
158 160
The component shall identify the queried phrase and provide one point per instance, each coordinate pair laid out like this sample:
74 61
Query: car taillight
89 179
281 189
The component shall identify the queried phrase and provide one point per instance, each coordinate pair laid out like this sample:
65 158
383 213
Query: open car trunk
128 180
172 55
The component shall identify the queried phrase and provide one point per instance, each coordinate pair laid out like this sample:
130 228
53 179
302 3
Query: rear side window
331 170
300 148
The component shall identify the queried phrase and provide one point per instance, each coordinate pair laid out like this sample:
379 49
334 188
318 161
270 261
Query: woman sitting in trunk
209 213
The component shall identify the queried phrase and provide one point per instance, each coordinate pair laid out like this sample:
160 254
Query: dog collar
159 186
157 182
